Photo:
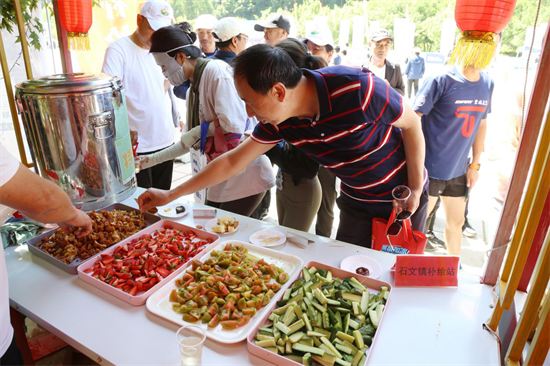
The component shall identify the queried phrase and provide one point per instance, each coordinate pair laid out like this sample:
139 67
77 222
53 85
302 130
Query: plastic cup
137 161
190 340
401 194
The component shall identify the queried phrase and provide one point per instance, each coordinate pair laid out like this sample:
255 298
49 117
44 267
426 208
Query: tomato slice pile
139 265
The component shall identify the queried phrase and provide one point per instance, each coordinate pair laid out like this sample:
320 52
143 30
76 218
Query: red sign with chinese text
426 271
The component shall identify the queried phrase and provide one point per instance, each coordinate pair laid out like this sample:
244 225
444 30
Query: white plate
210 223
158 303
169 210
267 238
351 264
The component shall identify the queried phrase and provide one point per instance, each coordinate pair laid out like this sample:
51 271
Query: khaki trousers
325 216
298 205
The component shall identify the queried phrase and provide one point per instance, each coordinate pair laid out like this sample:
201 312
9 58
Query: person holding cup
347 119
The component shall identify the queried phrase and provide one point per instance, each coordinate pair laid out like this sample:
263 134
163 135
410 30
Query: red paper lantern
484 15
480 21
76 17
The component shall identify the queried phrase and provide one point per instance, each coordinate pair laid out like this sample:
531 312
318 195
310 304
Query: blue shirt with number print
452 108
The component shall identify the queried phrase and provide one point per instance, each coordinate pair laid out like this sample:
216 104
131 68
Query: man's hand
182 125
152 198
472 175
412 203
81 222
133 136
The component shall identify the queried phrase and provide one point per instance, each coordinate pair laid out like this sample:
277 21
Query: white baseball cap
206 21
158 13
227 28
321 36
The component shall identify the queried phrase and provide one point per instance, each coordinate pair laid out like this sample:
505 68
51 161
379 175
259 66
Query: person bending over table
42 201
347 119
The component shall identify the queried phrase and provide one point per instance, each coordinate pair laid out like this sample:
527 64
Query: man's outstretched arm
219 170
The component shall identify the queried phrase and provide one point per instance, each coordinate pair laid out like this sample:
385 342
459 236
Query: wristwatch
475 166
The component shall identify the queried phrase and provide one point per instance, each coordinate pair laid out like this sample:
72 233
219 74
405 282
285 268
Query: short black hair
337 49
168 38
299 53
263 65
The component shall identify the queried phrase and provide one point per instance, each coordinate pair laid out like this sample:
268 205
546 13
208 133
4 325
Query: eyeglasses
397 225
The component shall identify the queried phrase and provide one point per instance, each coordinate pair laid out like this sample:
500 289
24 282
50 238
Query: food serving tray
140 299
374 286
159 304
71 268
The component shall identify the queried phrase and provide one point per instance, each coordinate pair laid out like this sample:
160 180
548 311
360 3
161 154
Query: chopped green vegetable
306 349
306 359
322 320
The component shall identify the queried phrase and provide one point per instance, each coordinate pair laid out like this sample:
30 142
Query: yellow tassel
474 49
78 41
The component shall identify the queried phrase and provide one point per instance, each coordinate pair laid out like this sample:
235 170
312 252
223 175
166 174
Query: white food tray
158 303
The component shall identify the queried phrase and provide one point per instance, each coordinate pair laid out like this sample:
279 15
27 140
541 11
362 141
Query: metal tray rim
72 268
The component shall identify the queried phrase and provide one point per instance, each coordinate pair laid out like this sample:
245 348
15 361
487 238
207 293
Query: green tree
386 12
428 16
33 26
309 9
236 8
513 35
191 9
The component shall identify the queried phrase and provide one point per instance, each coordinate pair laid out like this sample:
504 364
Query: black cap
274 21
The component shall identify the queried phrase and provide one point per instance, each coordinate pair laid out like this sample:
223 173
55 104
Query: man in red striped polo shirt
347 119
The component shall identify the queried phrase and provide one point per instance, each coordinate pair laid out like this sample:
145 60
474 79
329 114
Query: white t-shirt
218 98
144 89
378 71
8 168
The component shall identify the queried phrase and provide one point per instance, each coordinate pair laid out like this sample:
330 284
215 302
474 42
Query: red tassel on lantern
76 18
480 21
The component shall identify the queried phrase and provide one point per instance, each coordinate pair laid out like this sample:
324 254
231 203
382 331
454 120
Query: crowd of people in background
357 139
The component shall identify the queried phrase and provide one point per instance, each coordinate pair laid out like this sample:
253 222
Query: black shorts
455 187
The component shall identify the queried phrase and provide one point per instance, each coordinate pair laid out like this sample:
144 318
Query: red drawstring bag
406 242
220 143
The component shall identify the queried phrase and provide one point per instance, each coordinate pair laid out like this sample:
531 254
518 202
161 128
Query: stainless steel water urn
77 130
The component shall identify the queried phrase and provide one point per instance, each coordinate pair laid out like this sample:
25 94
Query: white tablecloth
421 326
